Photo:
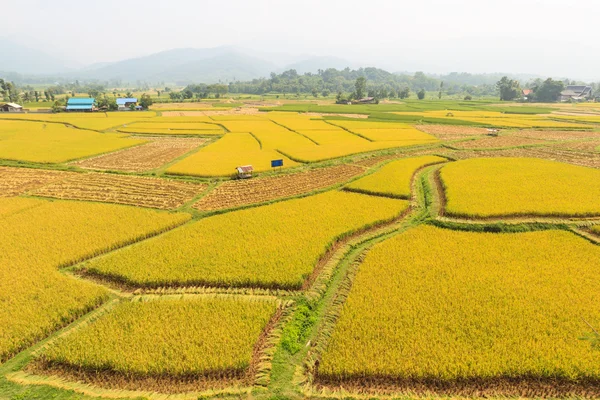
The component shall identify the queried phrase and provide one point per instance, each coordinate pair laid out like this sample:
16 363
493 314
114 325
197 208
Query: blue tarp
123 101
86 107
81 101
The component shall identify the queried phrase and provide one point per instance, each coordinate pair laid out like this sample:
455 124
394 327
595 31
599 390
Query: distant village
571 93
82 104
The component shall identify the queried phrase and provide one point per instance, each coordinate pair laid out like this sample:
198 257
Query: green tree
145 101
404 93
187 94
509 89
360 87
548 91
421 94
57 107
441 89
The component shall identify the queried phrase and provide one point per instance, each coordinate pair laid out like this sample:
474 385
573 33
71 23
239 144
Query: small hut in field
10 107
244 171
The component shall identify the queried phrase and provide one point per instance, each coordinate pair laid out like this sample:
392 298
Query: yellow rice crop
359 125
169 336
489 187
271 246
335 136
592 119
305 123
55 143
446 305
94 121
223 156
394 134
35 241
393 179
174 128
333 150
13 205
270 135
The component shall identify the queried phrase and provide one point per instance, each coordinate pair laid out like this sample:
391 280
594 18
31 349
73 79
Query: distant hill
15 57
183 66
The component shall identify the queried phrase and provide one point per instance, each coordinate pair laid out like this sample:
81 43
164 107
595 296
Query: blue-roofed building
81 104
125 103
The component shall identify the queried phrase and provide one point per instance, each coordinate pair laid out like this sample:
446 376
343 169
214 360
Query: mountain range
179 66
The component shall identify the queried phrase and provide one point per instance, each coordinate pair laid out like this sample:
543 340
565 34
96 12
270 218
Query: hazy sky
546 37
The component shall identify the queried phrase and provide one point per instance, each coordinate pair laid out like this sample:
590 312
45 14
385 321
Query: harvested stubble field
34 242
557 135
210 341
16 181
476 314
519 187
251 191
446 132
123 189
498 142
160 151
590 160
586 146
275 246
393 179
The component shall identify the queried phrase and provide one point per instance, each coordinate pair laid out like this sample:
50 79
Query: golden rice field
293 138
290 284
174 336
393 179
40 236
334 137
55 143
223 156
489 187
13 205
274 246
174 128
463 306
331 151
98 121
